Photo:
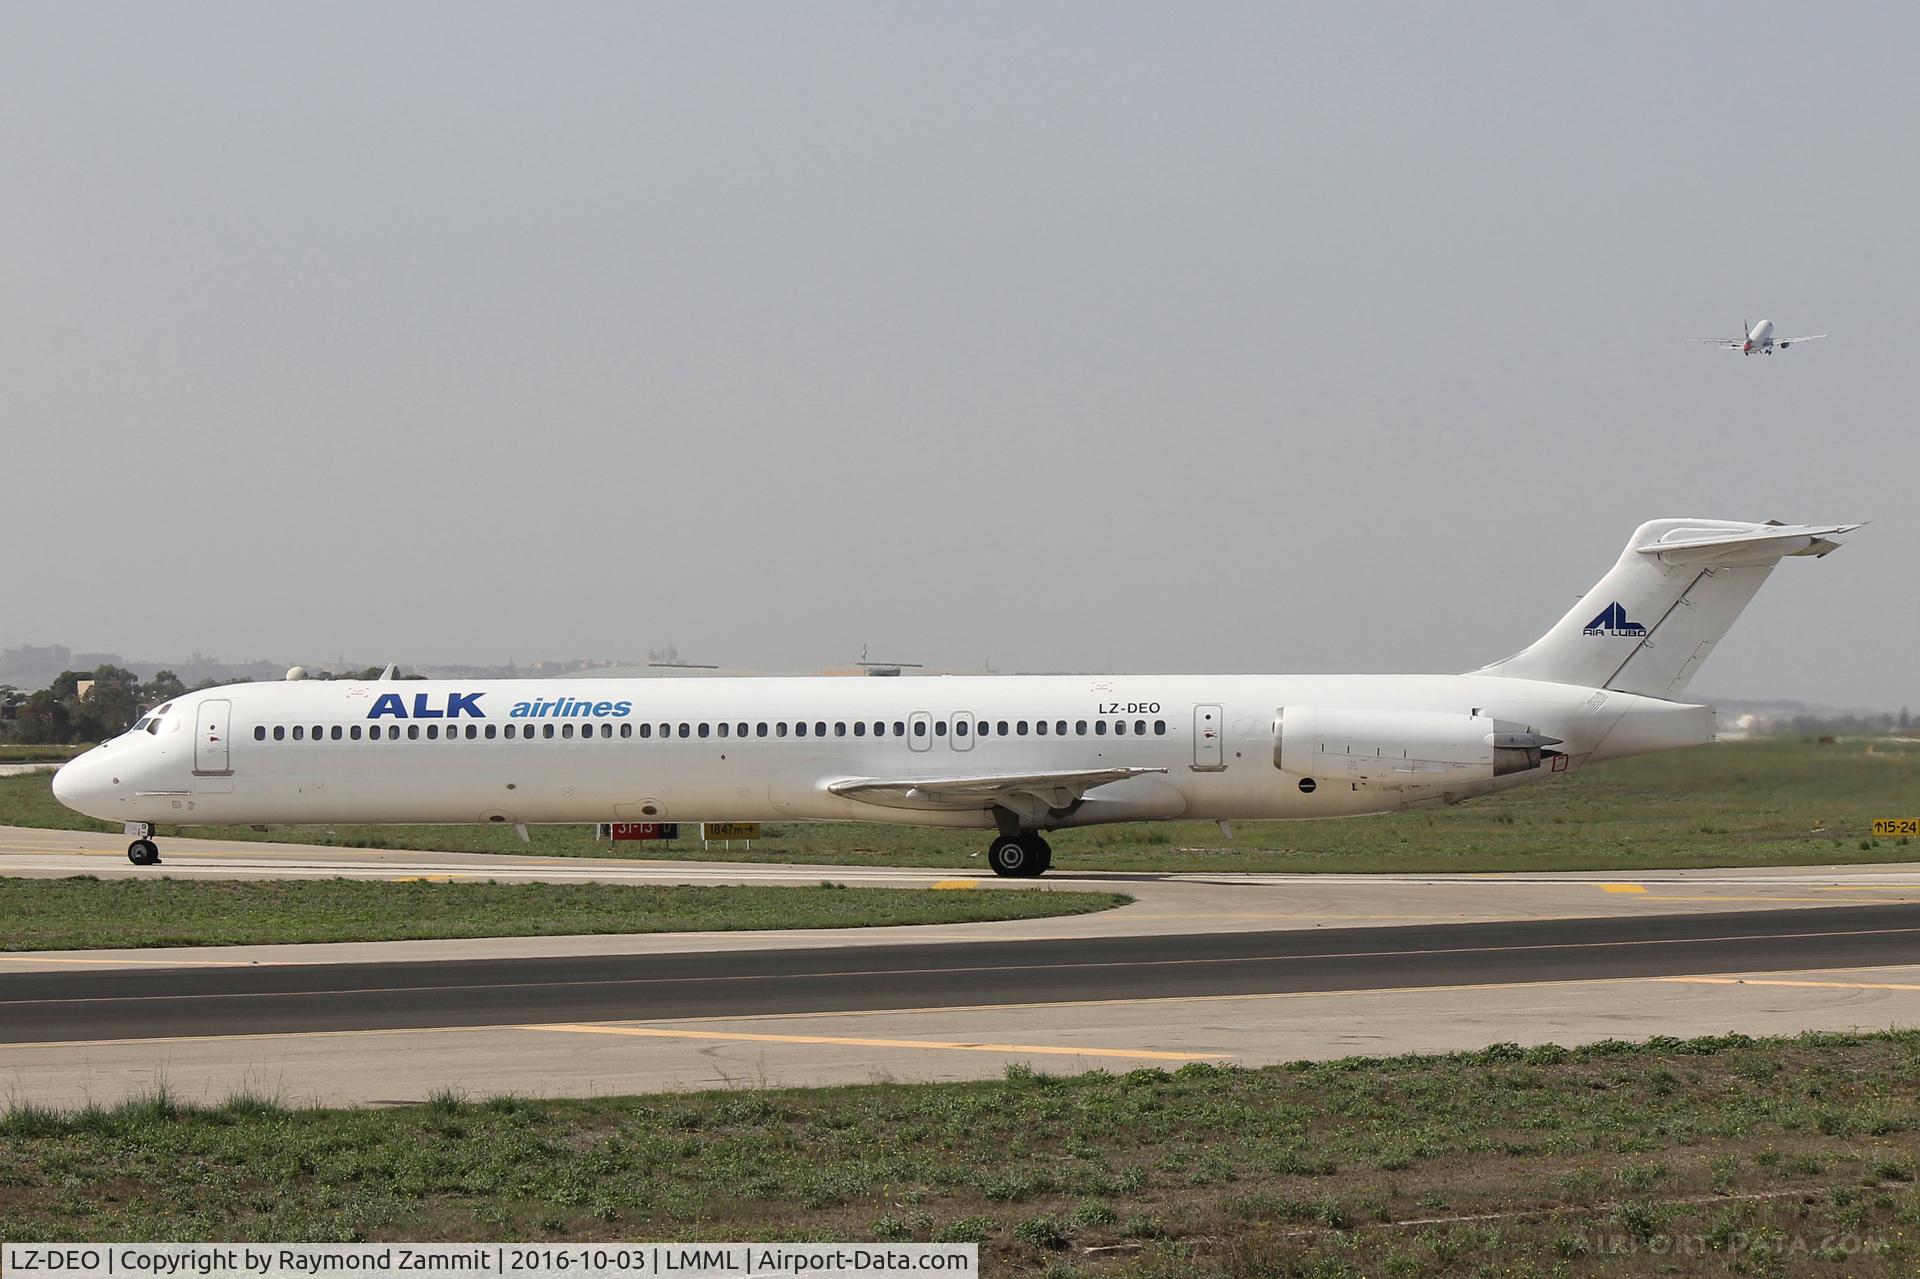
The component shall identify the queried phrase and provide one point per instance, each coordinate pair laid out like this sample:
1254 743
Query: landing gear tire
143 852
1021 856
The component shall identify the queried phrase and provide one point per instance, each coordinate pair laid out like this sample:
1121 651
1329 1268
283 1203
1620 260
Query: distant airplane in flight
1759 340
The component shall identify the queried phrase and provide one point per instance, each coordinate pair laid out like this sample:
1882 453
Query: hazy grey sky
1182 337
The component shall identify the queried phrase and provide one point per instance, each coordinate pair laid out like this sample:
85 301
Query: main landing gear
1021 856
142 851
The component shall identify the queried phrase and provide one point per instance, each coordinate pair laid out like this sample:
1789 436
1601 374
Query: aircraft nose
77 784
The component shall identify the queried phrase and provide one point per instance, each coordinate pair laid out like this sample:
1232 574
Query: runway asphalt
1229 968
106 1006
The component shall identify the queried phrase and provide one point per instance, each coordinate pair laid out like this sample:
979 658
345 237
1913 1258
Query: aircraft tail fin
1647 626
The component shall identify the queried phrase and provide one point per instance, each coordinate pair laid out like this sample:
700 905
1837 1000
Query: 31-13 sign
645 830
1897 827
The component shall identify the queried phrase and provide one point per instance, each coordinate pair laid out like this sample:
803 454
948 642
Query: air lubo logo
1613 621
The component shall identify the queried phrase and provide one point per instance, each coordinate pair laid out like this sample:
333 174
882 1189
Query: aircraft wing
1724 343
1018 791
1783 343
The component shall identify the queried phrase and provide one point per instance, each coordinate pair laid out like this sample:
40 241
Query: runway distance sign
729 830
1897 827
645 830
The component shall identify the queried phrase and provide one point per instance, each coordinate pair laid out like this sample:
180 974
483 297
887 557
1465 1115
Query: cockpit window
153 727
140 723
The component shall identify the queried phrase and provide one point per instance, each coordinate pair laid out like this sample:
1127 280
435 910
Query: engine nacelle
1386 750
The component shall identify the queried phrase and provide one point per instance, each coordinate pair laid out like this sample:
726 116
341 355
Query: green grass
86 913
13 754
1712 1156
1786 801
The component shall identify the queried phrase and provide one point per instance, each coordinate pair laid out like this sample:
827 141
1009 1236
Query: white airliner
1018 755
1759 340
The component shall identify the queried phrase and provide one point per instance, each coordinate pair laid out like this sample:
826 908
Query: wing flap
982 790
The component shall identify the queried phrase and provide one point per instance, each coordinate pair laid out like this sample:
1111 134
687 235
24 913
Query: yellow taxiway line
1784 981
656 1032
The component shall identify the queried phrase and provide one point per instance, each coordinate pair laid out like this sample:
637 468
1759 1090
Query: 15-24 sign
1897 827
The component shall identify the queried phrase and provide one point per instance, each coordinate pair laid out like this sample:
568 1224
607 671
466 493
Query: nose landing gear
142 851
1022 856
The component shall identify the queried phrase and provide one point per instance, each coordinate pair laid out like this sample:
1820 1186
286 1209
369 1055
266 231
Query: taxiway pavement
1229 968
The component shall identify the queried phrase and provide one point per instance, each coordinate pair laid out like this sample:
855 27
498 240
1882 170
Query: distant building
31 666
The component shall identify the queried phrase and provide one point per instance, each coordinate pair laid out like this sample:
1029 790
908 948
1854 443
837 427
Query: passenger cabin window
859 728
1000 727
1060 727
626 730
546 730
959 728
780 729
1080 727
299 732
919 728
899 728
703 730
840 728
1159 728
939 728
354 732
491 730
260 733
1040 727
1099 728
760 729
1021 728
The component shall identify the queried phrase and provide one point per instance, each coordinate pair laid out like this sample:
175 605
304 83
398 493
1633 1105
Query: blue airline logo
568 707
454 705
1613 621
